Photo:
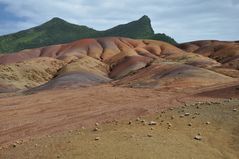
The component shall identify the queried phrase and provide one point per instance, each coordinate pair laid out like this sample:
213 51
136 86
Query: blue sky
184 20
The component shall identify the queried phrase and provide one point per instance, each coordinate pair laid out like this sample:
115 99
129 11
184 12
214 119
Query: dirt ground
173 136
24 118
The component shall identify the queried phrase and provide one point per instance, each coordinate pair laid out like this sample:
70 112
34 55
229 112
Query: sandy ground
173 136
27 117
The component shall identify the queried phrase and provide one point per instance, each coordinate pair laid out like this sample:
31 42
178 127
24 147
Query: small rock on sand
181 116
235 110
97 124
186 114
189 124
97 138
198 137
150 135
152 123
208 123
96 129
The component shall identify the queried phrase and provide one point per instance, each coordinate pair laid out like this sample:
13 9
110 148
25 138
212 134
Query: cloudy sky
184 20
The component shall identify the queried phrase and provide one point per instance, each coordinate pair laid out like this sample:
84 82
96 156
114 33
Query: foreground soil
214 123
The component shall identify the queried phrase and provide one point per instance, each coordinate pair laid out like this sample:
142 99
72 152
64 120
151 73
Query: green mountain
58 31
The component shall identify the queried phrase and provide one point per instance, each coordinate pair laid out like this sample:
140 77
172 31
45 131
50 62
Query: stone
186 114
96 129
196 113
172 117
97 124
152 123
189 124
150 135
198 137
19 142
143 121
97 138
169 124
83 127
208 123
130 122
181 116
235 110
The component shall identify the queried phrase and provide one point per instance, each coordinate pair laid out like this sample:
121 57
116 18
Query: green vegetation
57 31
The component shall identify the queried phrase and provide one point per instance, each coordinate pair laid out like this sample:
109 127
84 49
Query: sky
184 20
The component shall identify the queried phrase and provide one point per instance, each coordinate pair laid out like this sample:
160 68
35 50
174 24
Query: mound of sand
92 61
27 74
227 53
172 75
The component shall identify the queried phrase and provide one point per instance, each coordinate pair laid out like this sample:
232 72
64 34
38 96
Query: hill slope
120 61
58 31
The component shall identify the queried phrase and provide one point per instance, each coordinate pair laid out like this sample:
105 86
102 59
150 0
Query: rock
208 123
97 124
150 135
151 128
138 119
19 142
143 121
14 145
83 127
132 136
197 113
189 124
70 131
235 110
169 124
181 116
186 114
130 122
172 117
96 129
198 137
97 138
152 123
170 108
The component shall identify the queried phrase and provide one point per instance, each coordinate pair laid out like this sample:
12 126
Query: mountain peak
56 19
54 22
145 17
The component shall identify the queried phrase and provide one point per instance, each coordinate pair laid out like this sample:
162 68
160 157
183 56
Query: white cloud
183 20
